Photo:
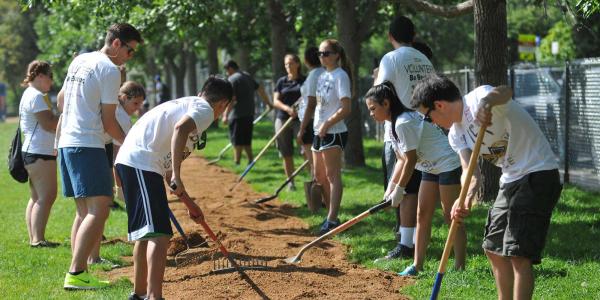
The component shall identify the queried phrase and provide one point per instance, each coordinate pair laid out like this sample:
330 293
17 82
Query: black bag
16 165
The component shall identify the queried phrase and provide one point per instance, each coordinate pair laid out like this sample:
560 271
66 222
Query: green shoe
83 281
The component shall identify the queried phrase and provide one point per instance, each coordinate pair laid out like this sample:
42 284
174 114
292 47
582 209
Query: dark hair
231 64
386 90
423 48
132 89
311 56
124 32
296 59
345 62
402 29
34 69
216 89
433 88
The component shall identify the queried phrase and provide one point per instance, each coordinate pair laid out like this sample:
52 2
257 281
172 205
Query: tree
563 35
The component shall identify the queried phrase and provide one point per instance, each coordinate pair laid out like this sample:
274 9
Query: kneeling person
154 148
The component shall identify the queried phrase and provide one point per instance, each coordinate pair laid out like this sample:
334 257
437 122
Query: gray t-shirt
244 87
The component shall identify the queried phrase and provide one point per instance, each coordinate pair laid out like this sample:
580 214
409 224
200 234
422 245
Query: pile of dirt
177 244
267 232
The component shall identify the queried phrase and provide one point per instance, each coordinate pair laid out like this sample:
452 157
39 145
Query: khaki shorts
518 222
286 140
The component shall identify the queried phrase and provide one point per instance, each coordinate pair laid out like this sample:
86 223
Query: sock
406 236
75 273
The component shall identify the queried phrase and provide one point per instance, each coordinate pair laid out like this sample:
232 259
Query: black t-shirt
244 87
289 91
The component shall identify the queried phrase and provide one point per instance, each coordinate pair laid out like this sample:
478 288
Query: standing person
518 221
2 102
403 67
240 114
91 91
306 110
286 93
419 145
152 154
334 91
38 124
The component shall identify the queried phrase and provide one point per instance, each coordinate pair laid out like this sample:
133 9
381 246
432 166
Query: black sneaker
44 244
400 251
134 296
328 226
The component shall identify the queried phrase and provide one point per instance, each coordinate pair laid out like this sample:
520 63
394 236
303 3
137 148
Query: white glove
396 196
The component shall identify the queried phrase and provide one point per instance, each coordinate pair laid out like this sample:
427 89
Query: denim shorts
518 222
85 172
444 178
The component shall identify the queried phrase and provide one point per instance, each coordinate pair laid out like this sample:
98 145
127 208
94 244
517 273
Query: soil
268 233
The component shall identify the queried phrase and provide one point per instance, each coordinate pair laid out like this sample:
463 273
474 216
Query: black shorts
329 141
240 131
517 223
29 158
146 202
309 134
444 178
414 183
109 154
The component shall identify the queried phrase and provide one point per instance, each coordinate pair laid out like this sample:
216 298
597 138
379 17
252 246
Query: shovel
296 172
342 227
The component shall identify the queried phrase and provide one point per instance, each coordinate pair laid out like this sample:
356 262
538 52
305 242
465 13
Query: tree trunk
168 79
192 77
242 56
490 68
212 49
279 32
178 71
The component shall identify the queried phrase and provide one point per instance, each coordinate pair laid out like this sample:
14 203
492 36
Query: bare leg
308 156
408 211
28 216
503 273
448 194
237 153
140 268
321 176
248 150
80 213
288 166
42 176
333 170
156 257
90 230
428 197
524 281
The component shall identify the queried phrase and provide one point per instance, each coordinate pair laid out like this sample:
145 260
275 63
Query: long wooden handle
277 134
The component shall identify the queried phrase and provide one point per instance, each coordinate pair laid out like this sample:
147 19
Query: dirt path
268 231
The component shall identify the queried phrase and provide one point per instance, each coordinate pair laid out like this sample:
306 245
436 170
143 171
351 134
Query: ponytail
34 69
386 90
345 62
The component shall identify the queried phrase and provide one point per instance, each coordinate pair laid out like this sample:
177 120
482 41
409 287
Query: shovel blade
293 260
265 199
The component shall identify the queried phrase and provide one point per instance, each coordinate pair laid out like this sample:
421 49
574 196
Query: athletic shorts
84 172
444 178
309 134
414 183
285 140
517 223
109 154
146 202
240 131
329 141
29 158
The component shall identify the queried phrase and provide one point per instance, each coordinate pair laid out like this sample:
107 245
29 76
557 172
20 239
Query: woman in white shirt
38 124
422 146
333 105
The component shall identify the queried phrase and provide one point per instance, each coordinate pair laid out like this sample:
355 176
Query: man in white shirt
90 99
530 187
404 67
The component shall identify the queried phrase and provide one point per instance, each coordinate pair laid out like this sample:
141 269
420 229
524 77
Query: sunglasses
325 53
426 116
130 49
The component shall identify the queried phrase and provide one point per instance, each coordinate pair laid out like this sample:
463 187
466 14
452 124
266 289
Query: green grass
572 256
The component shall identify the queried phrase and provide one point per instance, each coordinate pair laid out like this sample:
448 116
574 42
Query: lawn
572 256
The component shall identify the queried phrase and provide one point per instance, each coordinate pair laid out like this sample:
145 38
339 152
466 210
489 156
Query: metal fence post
512 78
467 83
567 85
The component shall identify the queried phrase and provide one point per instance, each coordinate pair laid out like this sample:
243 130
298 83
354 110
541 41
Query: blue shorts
146 202
444 178
84 172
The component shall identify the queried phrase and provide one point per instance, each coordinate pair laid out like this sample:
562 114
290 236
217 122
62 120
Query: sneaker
400 251
44 244
409 271
83 281
134 296
328 226
291 187
100 260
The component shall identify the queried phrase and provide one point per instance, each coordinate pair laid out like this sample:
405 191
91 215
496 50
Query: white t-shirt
148 144
309 89
513 142
124 121
434 154
403 67
37 139
331 88
92 80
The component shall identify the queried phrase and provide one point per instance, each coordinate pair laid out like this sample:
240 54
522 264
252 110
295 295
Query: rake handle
454 225
178 226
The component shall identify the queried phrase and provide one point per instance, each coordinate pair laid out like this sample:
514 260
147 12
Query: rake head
223 265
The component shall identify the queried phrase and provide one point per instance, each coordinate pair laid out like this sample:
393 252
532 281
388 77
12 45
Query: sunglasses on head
325 53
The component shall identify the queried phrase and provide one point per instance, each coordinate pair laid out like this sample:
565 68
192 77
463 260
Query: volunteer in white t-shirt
38 124
419 145
90 92
334 91
306 110
517 225
404 67
152 154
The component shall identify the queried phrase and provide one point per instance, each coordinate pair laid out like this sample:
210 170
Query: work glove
396 196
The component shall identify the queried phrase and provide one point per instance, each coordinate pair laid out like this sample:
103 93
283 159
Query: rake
454 226
348 224
230 144
188 244
296 172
